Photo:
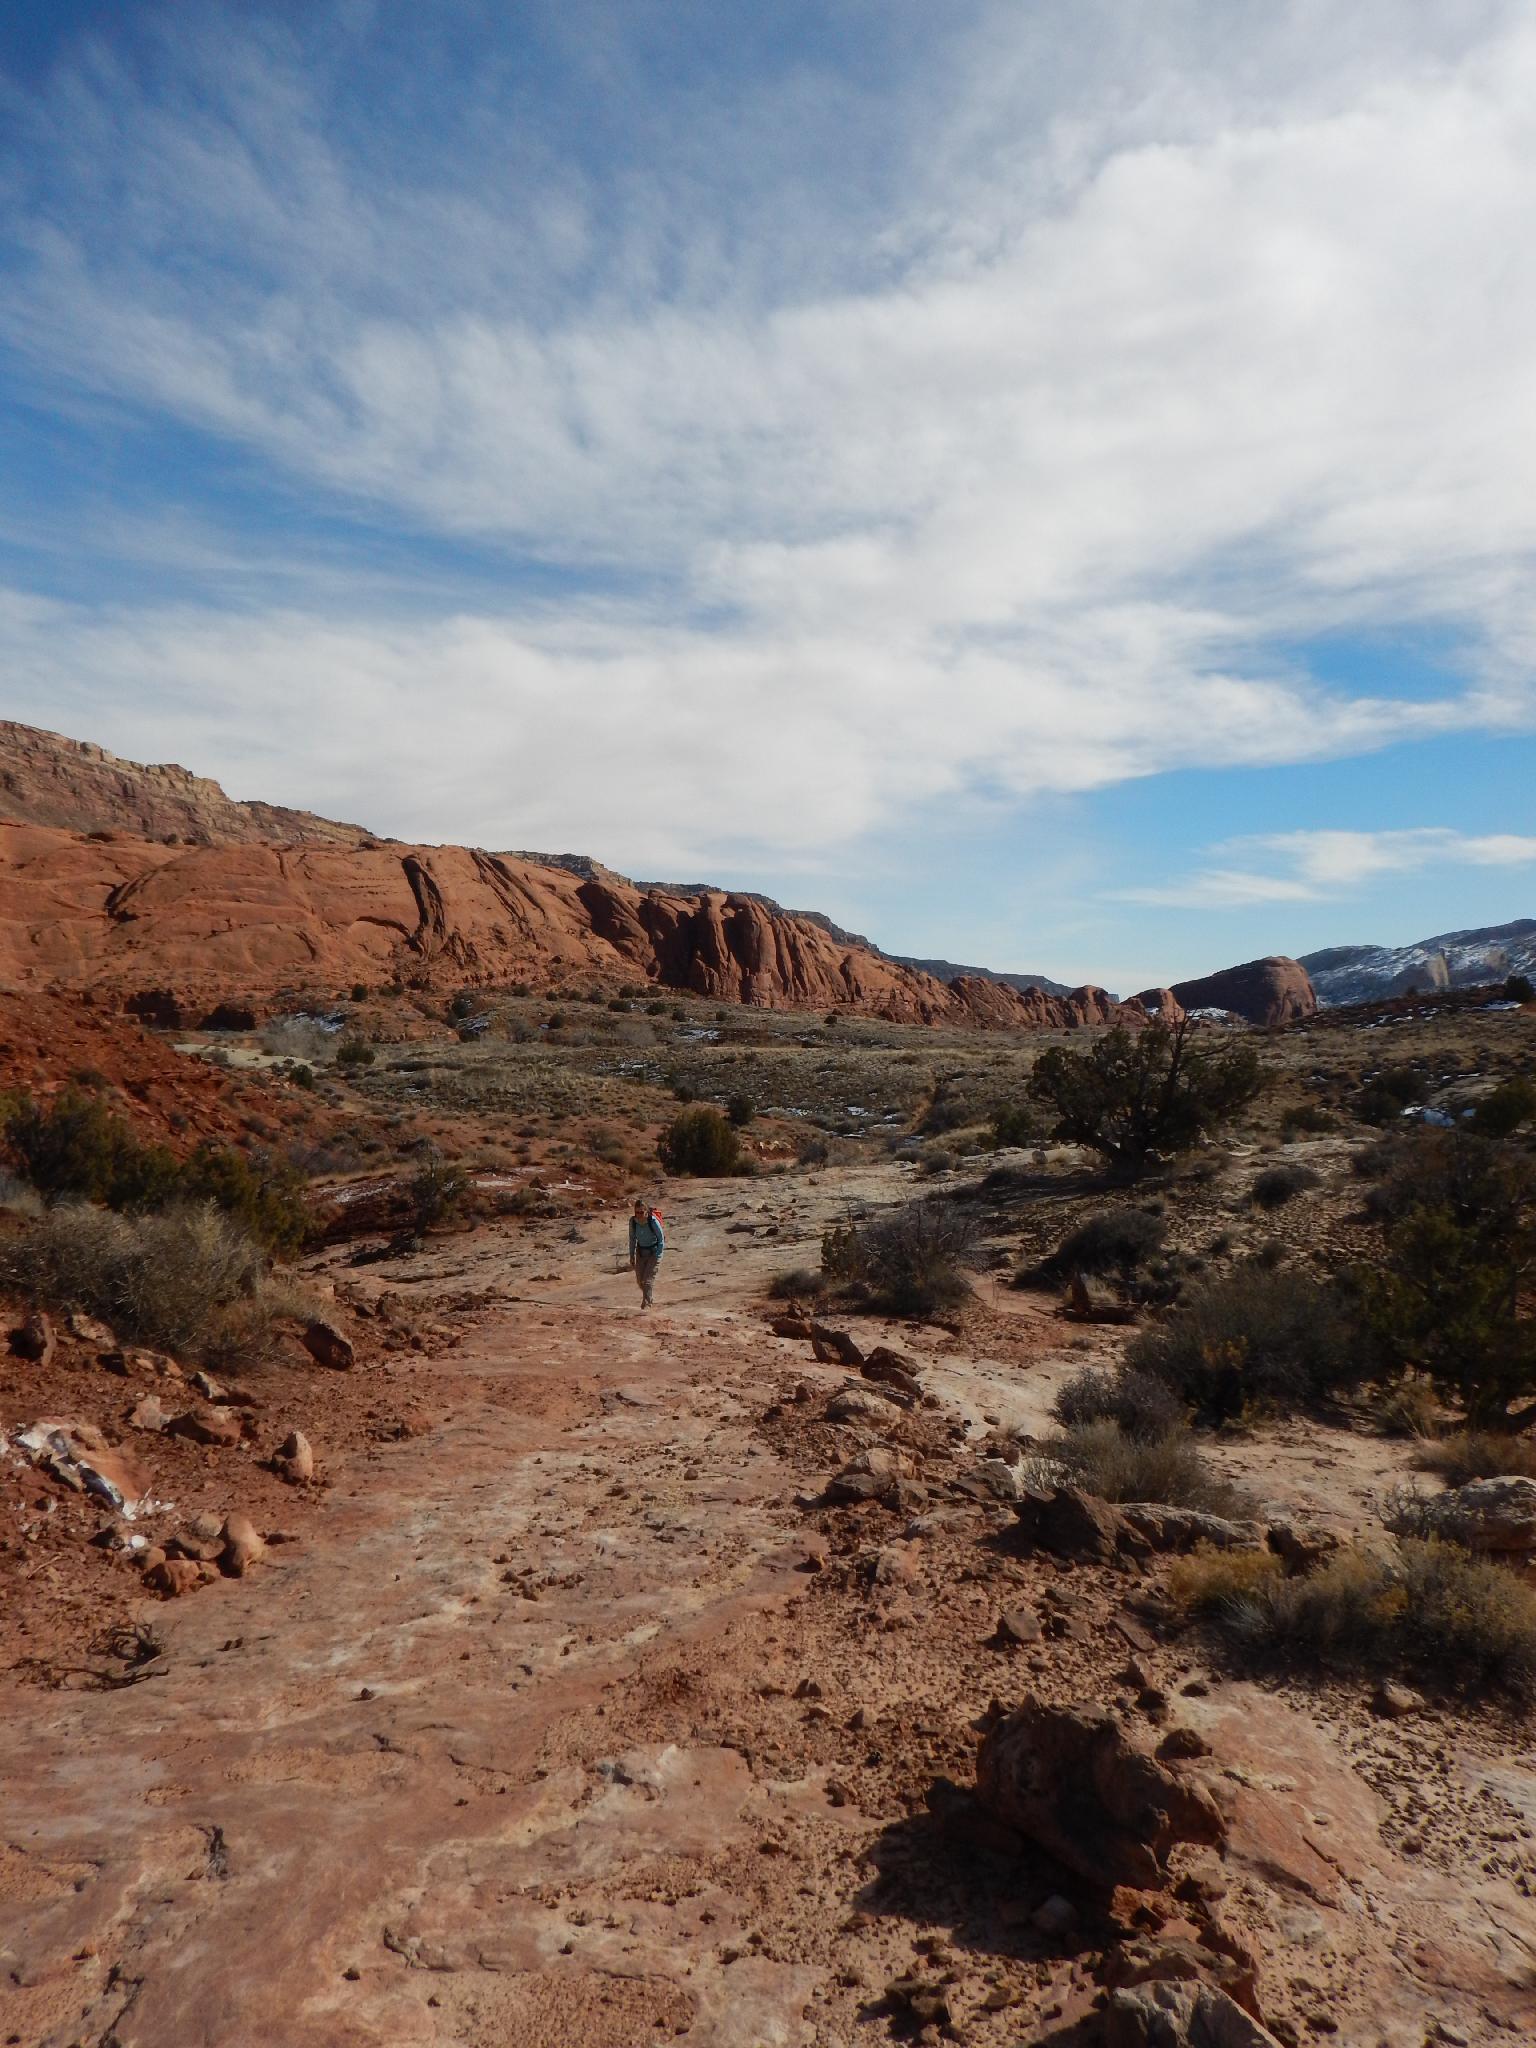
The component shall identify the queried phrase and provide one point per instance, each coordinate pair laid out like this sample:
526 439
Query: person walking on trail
647 1242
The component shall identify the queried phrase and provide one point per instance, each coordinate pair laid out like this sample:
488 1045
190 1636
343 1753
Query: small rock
173 1576
834 1347
1392 1700
1019 1625
1179 1745
242 1546
791 1326
1057 1916
147 1413
863 1401
293 1459
34 1339
205 1384
216 1427
327 1346
87 1330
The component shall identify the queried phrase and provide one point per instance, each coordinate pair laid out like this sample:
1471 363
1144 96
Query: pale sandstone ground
518 1747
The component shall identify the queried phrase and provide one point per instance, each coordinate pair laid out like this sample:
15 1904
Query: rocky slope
172 931
46 779
1265 992
1469 959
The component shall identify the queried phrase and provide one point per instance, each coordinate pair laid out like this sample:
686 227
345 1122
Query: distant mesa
1469 959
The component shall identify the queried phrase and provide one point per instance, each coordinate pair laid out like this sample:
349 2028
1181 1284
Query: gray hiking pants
646 1264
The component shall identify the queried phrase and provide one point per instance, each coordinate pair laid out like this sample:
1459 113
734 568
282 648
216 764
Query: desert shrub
1019 1125
1139 1405
1478 1454
944 1111
76 1149
188 1280
740 1109
355 1052
1459 1216
1408 1408
1277 1185
907 1260
1306 1119
1168 1469
800 1283
701 1142
1510 1105
1137 1096
933 1160
1519 989
1388 1095
359 991
1431 1606
1116 1241
1254 1339
302 1075
436 1192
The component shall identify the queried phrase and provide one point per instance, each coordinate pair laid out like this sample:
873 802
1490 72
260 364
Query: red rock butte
152 889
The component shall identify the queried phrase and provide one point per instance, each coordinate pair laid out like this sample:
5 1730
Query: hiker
646 1245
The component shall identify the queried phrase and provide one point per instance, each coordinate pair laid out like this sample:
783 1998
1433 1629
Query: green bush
1459 1215
1255 1339
1510 1105
1020 1125
1519 989
77 1149
1386 1097
741 1109
188 1280
1115 1241
1167 1469
1145 1095
1306 1119
700 1142
355 1052
359 991
1277 1185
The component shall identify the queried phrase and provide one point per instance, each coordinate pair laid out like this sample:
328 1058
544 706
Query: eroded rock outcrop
1264 992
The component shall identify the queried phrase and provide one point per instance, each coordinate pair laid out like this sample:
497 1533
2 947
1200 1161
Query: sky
1050 483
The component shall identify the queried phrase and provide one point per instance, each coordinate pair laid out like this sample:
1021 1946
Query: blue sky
1049 484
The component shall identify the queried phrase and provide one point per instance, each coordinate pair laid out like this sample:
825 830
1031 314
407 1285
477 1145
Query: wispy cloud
982 432
1309 867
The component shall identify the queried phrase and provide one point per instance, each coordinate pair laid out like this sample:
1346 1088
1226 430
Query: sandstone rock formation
1072 1780
46 779
172 932
1265 992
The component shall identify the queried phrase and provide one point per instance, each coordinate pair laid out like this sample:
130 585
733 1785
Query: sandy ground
572 1722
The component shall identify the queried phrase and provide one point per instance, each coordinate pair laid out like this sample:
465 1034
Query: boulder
87 1330
1173 2014
293 1459
1070 1523
242 1546
78 1455
1073 1781
1268 992
792 1326
1495 1516
327 1346
871 1475
1302 1546
894 1370
34 1339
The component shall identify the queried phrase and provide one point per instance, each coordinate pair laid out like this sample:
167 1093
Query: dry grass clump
184 1280
1167 1470
1138 1404
1277 1185
1260 1338
1478 1454
1430 1607
908 1261
799 1283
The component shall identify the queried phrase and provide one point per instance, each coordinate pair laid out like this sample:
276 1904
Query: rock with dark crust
1264 992
1072 1780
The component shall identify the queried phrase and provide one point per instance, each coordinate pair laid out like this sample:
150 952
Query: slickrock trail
549 1735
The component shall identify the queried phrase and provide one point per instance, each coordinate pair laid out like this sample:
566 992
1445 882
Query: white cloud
1325 864
1176 342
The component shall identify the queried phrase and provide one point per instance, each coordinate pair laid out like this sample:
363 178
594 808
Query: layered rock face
172 931
46 779
1265 992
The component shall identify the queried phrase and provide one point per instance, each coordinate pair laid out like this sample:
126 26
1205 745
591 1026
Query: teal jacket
646 1236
